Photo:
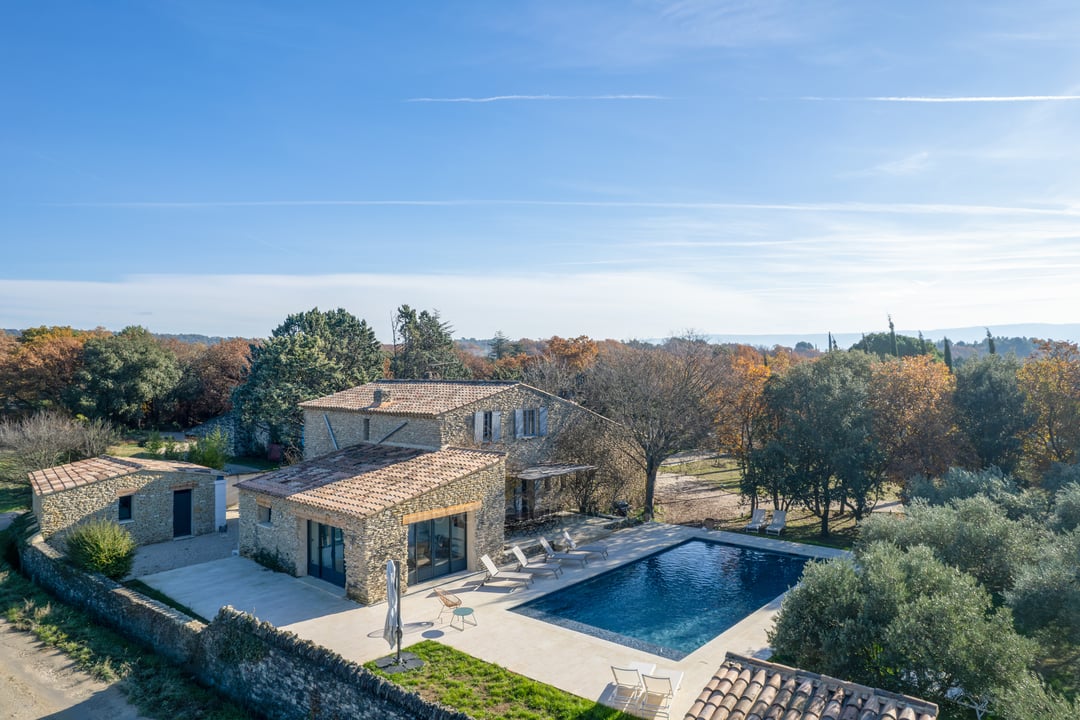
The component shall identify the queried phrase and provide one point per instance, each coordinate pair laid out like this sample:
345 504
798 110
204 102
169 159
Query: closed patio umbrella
392 629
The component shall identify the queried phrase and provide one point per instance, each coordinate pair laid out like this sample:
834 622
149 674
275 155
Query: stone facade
351 427
371 540
151 504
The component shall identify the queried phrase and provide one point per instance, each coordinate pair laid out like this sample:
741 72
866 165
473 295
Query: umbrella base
391 664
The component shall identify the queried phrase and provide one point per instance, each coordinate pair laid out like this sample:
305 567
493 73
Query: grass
14 497
140 587
156 687
489 692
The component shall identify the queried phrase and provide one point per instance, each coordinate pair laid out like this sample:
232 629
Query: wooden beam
441 512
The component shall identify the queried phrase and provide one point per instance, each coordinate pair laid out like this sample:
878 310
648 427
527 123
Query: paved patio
575 662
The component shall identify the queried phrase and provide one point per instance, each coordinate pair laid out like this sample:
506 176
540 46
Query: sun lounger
535 567
779 521
757 521
575 555
494 573
628 683
594 549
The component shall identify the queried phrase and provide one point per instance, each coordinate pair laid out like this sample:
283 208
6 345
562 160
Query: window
530 422
124 508
367 429
486 427
264 514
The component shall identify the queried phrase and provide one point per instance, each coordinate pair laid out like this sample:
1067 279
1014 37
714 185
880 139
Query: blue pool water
673 602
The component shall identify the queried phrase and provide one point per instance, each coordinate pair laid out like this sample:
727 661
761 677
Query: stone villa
422 471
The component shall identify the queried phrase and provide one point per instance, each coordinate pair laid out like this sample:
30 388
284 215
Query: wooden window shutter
519 423
496 426
478 427
541 421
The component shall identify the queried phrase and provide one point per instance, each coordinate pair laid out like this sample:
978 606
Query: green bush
154 443
211 450
102 546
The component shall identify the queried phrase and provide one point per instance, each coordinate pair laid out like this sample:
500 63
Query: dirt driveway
689 500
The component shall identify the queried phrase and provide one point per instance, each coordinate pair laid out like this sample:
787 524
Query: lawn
489 692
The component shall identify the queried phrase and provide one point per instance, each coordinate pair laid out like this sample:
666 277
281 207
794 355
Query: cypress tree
948 354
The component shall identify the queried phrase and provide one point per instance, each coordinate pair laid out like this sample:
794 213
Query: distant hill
970 335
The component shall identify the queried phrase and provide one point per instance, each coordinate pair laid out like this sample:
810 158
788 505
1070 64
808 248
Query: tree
821 453
891 344
991 411
124 378
1045 597
947 346
1050 382
37 371
661 399
902 621
309 355
49 438
426 350
971 534
500 346
208 379
914 418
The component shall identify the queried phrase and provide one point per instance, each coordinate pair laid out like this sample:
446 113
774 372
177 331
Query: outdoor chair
594 549
779 521
449 602
658 692
494 573
575 555
535 567
628 684
757 521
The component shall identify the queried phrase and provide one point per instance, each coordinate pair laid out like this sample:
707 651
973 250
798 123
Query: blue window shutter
519 423
478 427
496 426
542 421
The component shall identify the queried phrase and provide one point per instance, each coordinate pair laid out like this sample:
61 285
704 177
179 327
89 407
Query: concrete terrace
554 655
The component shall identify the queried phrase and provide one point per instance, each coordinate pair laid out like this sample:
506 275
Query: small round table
465 613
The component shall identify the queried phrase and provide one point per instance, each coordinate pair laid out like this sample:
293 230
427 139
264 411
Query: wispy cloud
912 164
825 207
519 98
951 98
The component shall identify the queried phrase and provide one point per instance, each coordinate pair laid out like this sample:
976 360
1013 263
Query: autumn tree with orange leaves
37 370
914 418
1051 383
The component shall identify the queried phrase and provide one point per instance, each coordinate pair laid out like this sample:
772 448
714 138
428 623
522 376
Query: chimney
382 397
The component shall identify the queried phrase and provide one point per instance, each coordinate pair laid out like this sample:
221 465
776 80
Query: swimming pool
674 601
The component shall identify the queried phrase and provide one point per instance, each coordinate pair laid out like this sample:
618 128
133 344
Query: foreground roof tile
745 688
84 472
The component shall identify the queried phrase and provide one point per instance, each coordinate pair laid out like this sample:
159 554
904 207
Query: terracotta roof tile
749 689
424 398
364 479
84 472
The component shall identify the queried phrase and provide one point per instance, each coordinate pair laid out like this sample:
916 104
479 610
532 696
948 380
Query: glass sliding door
437 547
326 552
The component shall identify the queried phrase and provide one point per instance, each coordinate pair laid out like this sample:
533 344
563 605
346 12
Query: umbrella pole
397 630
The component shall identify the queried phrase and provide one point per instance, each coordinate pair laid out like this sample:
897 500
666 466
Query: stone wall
349 429
152 504
168 632
371 541
270 671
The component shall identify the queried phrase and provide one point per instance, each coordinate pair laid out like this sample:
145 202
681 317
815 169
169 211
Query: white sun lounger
594 549
757 521
575 555
535 567
658 692
494 573
628 683
779 522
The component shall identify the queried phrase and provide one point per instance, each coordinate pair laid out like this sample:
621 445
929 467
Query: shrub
102 546
211 450
49 438
153 443
1067 508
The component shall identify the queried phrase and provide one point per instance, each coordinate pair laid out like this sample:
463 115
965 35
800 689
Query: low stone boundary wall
271 671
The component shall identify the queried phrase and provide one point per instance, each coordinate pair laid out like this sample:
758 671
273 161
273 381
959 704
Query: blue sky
620 169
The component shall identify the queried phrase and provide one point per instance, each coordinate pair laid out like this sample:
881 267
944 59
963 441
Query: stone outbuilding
341 515
155 500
